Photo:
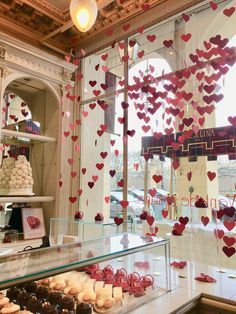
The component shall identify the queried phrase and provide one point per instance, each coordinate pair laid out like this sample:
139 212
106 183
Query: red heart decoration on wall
91 184
107 199
152 192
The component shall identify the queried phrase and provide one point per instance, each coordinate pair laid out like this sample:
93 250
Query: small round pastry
23 298
109 303
67 303
45 282
54 298
84 308
42 293
10 308
47 308
57 285
12 293
34 305
31 286
72 291
3 301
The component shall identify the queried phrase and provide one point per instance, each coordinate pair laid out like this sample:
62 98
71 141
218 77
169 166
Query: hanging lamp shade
83 14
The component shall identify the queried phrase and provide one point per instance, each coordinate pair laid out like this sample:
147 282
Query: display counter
114 274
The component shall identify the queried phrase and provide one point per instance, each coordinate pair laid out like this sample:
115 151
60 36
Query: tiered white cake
8 165
21 182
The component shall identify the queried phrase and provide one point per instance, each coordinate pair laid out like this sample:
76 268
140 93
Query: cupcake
23 298
54 298
34 305
67 303
12 293
84 308
47 308
10 308
31 286
41 293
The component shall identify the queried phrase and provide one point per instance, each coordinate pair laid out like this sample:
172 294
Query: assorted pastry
102 290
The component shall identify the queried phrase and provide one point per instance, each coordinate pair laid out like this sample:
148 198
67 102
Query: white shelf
26 199
35 137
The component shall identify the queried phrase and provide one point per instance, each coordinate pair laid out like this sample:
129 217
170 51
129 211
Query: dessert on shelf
21 183
8 165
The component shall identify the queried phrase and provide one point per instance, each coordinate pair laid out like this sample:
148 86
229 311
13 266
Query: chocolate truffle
84 308
34 305
54 298
31 286
47 308
67 303
41 293
12 293
23 298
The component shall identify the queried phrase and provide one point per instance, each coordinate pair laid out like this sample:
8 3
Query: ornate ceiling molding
43 24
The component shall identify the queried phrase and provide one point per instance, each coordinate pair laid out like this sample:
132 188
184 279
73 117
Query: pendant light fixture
83 14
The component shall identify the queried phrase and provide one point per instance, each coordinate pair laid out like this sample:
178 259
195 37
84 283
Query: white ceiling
60 4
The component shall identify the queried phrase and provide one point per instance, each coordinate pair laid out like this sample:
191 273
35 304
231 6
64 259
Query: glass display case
62 229
124 270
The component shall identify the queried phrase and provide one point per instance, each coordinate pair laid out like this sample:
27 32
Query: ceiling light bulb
83 13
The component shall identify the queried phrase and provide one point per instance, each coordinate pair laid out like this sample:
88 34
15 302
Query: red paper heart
179 228
229 241
157 178
107 199
229 225
164 213
211 175
112 173
189 175
152 192
228 12
214 5
229 251
72 199
219 233
151 38
91 184
124 204
150 220
95 178
205 220
232 120
186 37
118 221
99 166
184 220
